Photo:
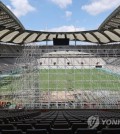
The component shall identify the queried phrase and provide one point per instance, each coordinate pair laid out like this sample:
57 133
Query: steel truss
27 92
63 78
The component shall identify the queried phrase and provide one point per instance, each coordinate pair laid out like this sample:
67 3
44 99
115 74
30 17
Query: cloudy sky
61 15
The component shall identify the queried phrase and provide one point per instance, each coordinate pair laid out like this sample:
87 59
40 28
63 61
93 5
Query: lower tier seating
59 122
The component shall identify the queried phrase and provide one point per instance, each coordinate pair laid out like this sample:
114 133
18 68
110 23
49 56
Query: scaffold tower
27 92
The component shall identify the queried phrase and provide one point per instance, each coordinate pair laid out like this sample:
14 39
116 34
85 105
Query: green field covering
70 79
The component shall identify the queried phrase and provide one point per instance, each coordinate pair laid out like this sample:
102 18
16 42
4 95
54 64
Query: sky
62 15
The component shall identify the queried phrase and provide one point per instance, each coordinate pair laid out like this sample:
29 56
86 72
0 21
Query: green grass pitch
71 79
78 79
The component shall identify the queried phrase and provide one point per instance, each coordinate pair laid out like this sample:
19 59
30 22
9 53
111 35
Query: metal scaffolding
27 91
65 77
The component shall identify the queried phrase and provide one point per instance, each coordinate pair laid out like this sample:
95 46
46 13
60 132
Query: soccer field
69 79
78 79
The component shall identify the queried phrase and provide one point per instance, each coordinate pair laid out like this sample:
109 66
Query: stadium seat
75 126
6 127
61 125
45 122
61 131
15 123
11 132
32 122
43 126
37 131
24 127
101 126
85 131
110 131
1 122
114 126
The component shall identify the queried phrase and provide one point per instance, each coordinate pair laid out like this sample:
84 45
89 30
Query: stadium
58 76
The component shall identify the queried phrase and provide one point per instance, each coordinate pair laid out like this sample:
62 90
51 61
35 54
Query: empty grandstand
59 88
61 75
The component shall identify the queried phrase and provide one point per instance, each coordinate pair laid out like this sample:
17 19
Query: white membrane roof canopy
27 36
12 31
8 19
112 21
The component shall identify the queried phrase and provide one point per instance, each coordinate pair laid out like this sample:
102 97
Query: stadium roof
12 31
27 36
112 21
8 19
